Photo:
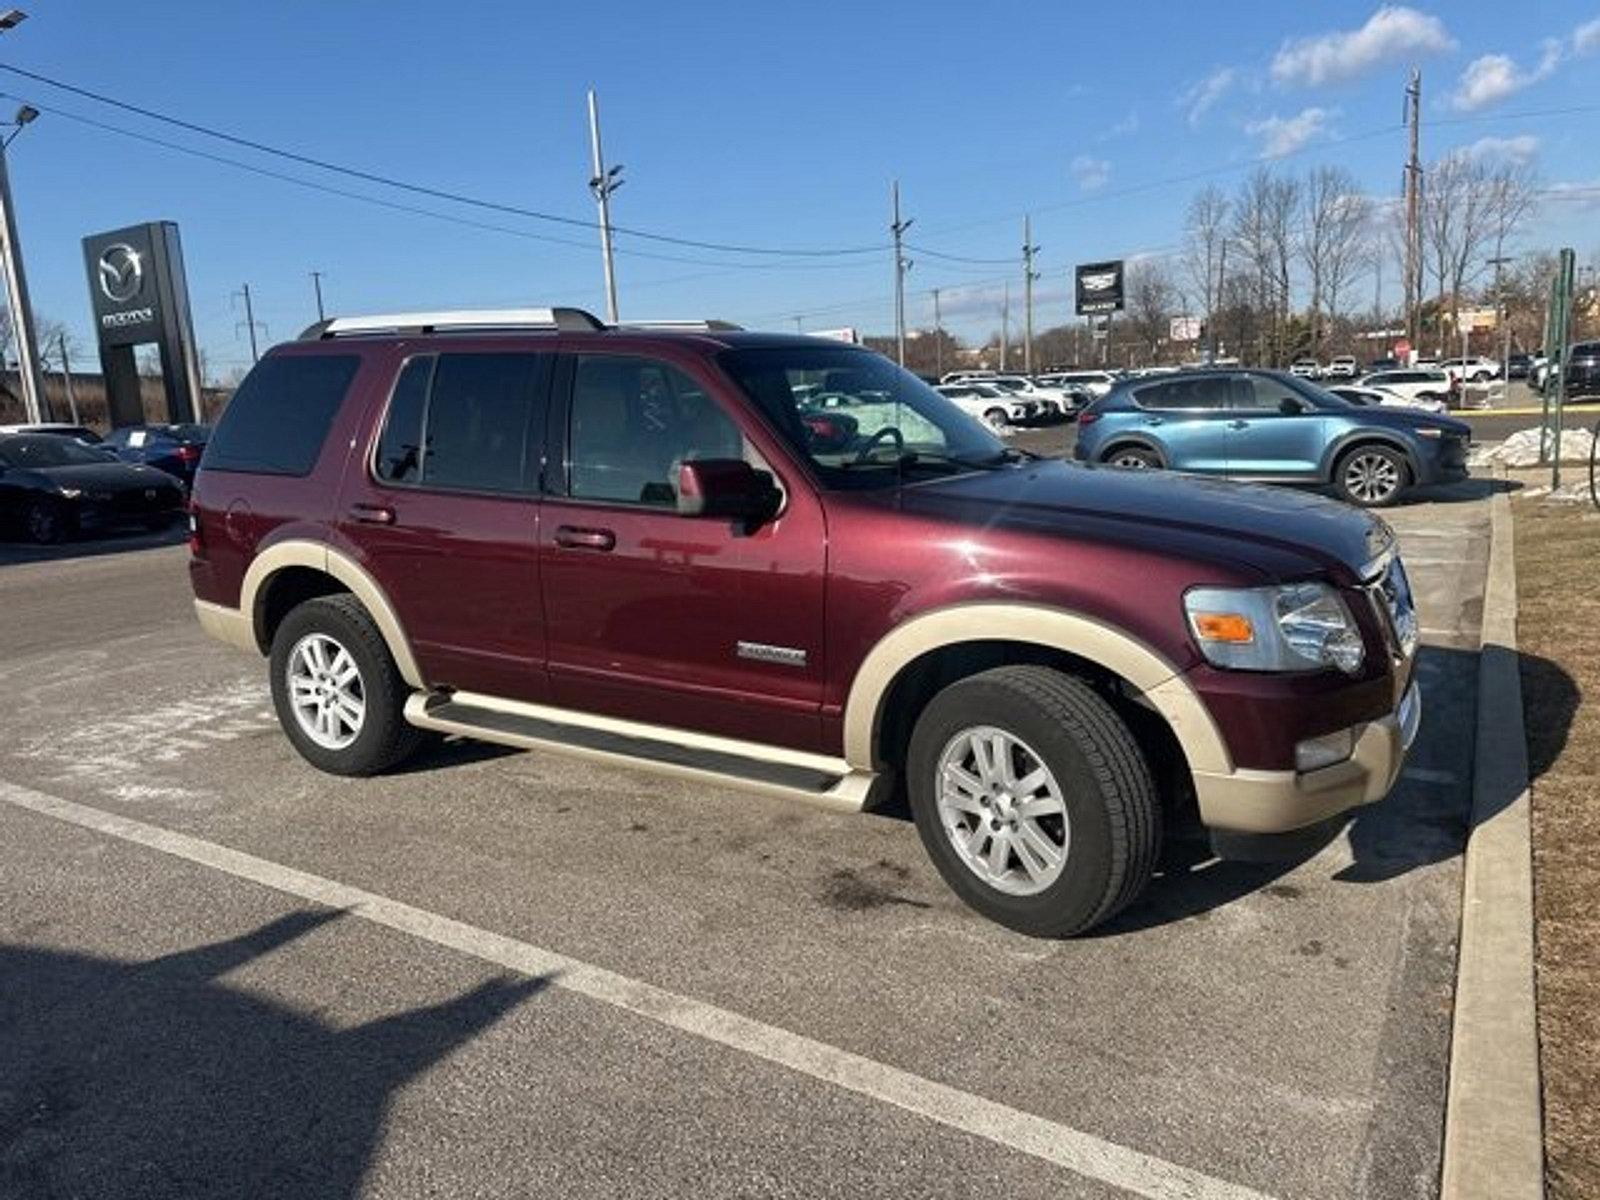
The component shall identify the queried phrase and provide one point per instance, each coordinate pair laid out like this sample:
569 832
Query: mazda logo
121 273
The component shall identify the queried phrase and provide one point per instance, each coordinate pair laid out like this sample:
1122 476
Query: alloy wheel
326 692
1129 458
1371 478
1003 811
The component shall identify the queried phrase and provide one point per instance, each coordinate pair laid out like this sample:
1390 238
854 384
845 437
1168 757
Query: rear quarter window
278 419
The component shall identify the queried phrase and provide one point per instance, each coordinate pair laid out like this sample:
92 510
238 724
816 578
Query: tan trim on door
1154 677
319 557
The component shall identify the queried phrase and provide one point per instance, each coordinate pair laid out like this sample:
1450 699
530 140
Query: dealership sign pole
33 397
1099 294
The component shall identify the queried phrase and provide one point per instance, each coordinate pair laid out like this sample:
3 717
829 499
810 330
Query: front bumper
1252 801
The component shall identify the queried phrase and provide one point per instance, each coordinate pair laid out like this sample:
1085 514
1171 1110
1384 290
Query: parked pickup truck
648 545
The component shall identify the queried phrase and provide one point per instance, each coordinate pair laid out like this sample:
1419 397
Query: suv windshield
861 421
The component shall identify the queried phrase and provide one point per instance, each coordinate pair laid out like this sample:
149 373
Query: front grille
1391 596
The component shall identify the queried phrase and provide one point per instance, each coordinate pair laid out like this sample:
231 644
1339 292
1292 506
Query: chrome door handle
372 514
1152 420
573 538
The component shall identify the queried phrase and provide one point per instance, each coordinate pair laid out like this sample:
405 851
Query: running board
775 770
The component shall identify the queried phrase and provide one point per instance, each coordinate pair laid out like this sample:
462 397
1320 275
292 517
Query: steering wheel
889 433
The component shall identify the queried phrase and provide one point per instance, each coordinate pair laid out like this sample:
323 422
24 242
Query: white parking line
1079 1152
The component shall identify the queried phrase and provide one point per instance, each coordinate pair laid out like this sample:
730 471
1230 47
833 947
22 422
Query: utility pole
34 402
938 337
1498 262
1211 317
602 183
316 282
1413 282
799 324
66 375
1005 324
898 228
249 322
1028 276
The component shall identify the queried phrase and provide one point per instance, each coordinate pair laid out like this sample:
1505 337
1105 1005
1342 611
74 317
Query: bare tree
1205 239
1469 207
1334 241
1151 304
1263 228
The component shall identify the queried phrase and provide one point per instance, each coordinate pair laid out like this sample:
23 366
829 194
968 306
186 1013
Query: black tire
996 419
1135 457
1353 492
385 739
46 522
1112 807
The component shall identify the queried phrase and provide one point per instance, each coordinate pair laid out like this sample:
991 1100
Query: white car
1413 383
995 407
1306 368
1372 397
1472 370
1095 383
1051 400
1343 367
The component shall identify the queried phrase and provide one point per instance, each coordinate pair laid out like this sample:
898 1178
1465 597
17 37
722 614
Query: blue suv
1268 426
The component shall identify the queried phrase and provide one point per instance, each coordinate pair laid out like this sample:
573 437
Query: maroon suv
786 563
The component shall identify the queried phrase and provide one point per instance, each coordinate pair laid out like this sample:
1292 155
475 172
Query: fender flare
1117 441
296 552
1356 436
1157 681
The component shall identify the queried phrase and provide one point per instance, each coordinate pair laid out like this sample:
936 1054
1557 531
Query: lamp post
33 397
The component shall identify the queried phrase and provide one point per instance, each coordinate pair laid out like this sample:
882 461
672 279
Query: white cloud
1491 78
1522 148
1285 135
1091 173
1392 34
1126 127
1586 37
1198 98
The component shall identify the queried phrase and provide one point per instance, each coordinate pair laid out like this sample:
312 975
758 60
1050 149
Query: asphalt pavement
509 974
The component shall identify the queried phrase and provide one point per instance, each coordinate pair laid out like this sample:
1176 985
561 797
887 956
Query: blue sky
751 124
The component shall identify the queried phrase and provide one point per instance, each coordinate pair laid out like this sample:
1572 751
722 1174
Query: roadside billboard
1099 287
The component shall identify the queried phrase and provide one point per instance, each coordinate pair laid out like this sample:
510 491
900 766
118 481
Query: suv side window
278 419
1262 393
632 422
1196 394
464 422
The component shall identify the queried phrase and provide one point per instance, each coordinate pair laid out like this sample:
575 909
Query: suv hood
1272 530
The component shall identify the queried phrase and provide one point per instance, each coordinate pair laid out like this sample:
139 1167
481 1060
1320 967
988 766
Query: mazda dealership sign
1099 288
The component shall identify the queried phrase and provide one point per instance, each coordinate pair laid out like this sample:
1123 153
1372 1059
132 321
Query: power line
424 189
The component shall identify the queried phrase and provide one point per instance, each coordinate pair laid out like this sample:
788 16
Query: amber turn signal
1224 627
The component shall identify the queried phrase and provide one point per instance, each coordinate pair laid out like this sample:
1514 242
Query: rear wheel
1033 800
1371 476
337 691
995 419
1137 458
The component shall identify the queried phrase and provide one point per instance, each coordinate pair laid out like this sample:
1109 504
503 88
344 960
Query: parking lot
517 974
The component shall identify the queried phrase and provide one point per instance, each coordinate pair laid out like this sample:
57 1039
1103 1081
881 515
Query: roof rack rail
691 323
567 320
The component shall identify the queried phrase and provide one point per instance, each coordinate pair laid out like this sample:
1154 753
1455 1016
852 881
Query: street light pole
602 183
34 401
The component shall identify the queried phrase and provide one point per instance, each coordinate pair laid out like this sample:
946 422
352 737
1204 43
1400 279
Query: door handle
1238 424
372 514
1152 420
574 538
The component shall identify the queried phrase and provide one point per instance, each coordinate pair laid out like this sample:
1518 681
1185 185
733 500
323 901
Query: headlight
69 493
1295 627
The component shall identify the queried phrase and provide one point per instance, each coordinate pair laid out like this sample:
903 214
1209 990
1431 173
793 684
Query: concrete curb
1493 1133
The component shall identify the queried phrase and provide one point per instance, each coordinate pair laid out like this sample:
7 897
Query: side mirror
1290 407
725 487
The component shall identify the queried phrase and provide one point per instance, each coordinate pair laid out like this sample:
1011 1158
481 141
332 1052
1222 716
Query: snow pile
1575 492
1521 449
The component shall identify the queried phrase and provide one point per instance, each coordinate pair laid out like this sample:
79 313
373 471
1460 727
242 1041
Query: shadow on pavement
155 1079
14 552
1461 492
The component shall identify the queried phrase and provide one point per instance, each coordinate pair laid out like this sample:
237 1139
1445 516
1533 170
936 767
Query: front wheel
1033 800
996 420
1371 476
337 691
46 522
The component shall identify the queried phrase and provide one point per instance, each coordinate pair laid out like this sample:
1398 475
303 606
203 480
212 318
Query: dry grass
1558 585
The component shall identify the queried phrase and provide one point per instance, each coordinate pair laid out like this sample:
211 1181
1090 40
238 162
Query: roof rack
713 324
567 320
